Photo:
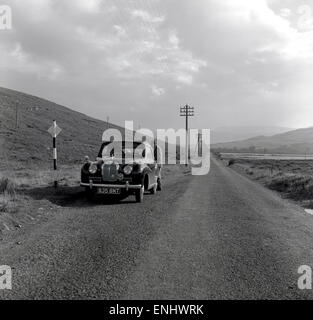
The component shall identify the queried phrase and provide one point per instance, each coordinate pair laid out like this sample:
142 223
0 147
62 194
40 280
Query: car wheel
139 194
90 193
154 189
159 184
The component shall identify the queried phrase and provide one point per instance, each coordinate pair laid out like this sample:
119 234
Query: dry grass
11 189
31 178
7 187
297 187
8 204
8 196
292 178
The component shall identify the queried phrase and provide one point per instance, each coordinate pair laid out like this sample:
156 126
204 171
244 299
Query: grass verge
293 179
8 195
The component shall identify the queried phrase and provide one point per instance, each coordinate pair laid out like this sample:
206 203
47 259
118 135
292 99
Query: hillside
31 145
229 134
295 141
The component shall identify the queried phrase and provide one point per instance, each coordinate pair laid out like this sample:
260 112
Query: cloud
158 91
305 21
91 6
242 61
285 12
146 16
173 40
120 30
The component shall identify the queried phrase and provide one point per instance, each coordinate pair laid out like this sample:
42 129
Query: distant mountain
229 134
296 141
30 144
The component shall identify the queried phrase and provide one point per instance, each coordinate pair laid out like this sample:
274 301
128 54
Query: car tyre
159 184
90 194
139 194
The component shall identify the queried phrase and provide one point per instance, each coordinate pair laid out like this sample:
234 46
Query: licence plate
109 191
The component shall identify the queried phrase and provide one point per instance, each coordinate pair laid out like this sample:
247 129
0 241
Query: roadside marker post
55 130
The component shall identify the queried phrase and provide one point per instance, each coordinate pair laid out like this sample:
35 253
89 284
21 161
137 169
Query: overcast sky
238 62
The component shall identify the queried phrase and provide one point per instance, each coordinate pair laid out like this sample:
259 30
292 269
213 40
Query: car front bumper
125 186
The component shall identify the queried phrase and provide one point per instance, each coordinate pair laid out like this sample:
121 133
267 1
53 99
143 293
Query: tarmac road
219 236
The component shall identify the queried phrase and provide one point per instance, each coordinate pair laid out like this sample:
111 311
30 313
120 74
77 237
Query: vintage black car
119 171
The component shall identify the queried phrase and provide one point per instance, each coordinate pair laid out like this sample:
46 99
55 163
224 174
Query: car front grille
95 179
110 172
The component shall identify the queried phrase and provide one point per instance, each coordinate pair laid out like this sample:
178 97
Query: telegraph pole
187 112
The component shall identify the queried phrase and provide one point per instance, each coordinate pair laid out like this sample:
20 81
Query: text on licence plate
109 191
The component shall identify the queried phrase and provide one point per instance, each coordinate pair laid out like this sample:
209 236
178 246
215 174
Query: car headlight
138 167
93 168
128 170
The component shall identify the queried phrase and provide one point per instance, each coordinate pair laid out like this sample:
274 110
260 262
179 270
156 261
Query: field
28 195
293 179
260 156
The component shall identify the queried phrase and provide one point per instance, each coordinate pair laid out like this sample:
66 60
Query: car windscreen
118 149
